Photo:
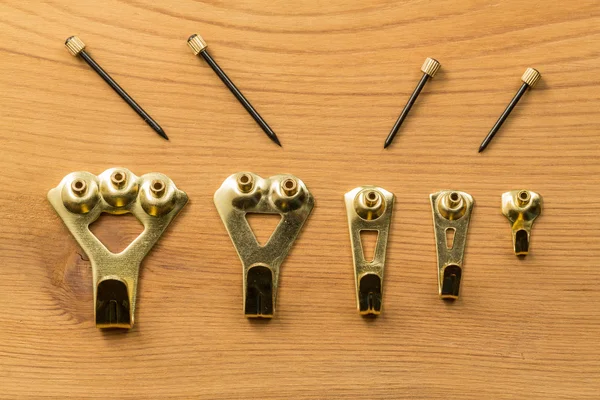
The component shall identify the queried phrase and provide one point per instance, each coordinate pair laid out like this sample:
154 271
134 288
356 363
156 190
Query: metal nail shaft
529 78
404 113
76 47
429 68
198 46
503 117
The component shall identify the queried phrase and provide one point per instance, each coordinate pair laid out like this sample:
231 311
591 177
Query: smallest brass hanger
521 207
369 208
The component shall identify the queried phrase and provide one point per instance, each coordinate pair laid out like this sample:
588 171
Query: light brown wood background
330 78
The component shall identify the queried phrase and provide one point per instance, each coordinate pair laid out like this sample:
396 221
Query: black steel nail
529 78
198 46
429 68
76 47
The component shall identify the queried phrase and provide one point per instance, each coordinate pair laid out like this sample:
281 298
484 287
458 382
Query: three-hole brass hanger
81 197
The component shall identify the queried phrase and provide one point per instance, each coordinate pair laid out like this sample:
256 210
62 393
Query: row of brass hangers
81 197
430 68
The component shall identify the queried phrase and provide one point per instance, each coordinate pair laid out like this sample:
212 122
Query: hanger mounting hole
117 178
290 187
79 186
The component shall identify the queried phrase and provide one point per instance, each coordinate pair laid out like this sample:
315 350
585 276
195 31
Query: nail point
276 140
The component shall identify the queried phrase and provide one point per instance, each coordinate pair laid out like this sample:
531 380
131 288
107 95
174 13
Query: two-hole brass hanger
244 193
82 197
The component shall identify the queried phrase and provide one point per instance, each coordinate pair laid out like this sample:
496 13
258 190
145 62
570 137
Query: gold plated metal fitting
197 44
81 197
531 77
369 208
521 207
244 193
74 45
431 67
451 215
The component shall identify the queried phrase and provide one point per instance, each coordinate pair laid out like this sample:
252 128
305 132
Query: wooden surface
330 78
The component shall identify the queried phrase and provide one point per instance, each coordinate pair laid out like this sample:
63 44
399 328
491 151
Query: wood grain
330 78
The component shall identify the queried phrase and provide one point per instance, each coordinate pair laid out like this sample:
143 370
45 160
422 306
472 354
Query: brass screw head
431 67
74 45
197 44
79 187
531 77
157 188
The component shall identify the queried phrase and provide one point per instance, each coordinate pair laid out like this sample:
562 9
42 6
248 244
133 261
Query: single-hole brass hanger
521 207
451 215
244 193
369 208
81 197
